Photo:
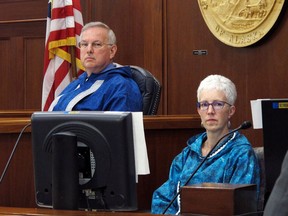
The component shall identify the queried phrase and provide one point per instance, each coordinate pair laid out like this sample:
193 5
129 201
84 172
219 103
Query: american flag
62 57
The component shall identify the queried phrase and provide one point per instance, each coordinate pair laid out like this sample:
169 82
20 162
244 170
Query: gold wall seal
240 23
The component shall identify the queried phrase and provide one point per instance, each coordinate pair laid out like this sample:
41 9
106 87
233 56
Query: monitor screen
84 160
274 117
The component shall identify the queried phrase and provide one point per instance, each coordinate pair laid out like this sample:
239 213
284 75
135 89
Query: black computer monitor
275 136
84 160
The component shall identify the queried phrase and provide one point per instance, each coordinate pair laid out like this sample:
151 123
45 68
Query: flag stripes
64 24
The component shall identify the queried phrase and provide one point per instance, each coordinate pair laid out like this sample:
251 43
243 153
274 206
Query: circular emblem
240 23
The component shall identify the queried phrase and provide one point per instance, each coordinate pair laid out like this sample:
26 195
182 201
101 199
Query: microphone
13 151
244 125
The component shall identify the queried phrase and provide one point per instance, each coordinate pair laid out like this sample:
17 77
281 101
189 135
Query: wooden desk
165 138
218 199
9 211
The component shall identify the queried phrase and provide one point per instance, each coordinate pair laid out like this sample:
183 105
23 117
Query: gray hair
221 83
111 34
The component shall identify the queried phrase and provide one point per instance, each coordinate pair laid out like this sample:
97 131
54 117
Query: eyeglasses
217 105
95 44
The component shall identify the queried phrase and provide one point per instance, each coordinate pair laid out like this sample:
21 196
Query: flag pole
74 73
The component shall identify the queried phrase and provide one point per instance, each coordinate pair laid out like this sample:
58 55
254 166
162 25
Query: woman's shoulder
241 140
241 145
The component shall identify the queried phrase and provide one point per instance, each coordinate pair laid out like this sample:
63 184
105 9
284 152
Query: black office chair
150 89
259 151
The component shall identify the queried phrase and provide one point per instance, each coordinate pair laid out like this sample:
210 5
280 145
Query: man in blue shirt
105 86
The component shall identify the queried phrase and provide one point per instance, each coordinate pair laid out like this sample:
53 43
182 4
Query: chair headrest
150 89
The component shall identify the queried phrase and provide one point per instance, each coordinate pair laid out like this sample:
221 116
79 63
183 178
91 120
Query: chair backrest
150 89
259 151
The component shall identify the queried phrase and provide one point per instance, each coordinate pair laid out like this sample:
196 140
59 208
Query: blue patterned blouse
232 161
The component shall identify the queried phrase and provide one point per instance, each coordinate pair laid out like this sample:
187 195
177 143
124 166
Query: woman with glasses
104 86
232 159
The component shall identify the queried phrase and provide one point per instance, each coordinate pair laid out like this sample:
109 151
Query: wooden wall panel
251 68
4 71
138 28
11 81
259 71
21 72
22 23
17 187
33 72
12 10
